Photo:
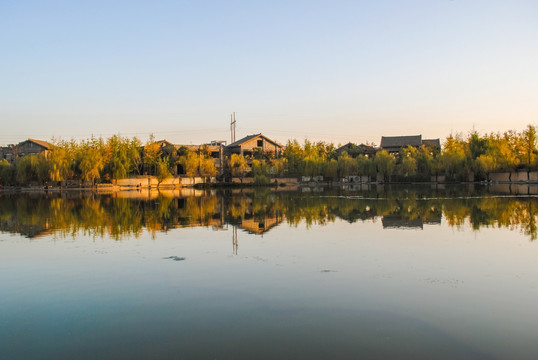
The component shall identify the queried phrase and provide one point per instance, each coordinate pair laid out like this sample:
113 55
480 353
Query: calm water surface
372 273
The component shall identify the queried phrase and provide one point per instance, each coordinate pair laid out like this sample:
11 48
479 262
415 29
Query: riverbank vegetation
99 160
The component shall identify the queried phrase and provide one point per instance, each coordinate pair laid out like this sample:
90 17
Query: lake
357 272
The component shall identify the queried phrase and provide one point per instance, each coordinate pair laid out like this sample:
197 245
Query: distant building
249 144
213 150
33 147
432 143
394 144
6 153
354 150
24 148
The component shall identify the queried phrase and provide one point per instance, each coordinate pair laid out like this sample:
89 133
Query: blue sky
327 70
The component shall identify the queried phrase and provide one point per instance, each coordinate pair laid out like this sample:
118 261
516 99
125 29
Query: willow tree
294 155
280 166
7 172
61 161
455 159
162 170
487 164
91 159
347 165
330 170
502 148
365 166
190 163
207 168
384 163
426 161
408 165
528 138
260 172
152 154
238 166
120 157
25 169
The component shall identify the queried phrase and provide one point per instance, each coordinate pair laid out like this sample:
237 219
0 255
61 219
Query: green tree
163 172
426 162
331 169
91 159
504 150
190 162
365 166
260 172
25 169
152 154
347 165
477 145
529 145
42 168
293 153
280 166
487 164
238 166
408 165
120 157
454 158
207 168
7 172
384 163
60 161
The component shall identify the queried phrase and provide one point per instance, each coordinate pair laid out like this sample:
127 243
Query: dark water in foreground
398 273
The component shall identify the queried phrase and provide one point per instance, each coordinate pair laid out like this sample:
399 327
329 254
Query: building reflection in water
256 212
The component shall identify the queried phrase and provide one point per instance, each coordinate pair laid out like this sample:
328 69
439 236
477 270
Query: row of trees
460 157
98 160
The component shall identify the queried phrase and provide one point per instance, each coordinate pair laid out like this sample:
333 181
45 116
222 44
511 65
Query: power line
192 131
299 132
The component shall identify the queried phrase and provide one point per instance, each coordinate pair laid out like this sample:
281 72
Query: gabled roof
198 147
432 142
350 145
347 146
400 141
250 137
163 143
42 143
354 149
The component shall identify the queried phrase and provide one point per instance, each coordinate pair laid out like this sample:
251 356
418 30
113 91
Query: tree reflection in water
259 210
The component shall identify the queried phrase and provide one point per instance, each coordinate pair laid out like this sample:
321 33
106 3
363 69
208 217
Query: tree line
104 160
97 160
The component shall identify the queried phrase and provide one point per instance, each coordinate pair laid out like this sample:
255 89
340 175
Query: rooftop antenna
232 126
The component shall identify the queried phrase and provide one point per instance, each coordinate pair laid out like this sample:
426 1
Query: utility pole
232 127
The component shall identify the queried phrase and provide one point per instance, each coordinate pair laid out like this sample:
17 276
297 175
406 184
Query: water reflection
257 211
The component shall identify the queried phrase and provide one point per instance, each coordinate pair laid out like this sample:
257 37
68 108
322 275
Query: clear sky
327 70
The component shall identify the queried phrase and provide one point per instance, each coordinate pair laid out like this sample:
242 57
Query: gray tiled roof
400 141
431 142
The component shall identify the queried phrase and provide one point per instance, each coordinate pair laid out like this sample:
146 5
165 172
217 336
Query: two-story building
24 148
248 145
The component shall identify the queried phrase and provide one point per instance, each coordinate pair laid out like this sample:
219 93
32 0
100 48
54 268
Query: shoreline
110 188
